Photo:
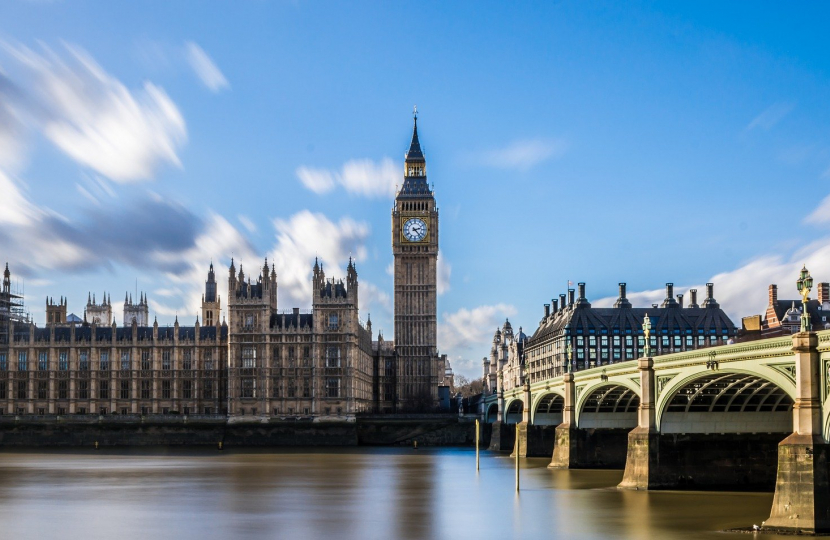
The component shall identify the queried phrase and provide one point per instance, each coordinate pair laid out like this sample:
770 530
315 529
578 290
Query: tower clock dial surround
414 229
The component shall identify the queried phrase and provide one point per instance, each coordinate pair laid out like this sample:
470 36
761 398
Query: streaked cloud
362 177
247 223
770 116
91 116
523 154
306 235
820 215
205 68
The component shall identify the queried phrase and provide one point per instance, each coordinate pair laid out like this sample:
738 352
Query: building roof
580 318
292 320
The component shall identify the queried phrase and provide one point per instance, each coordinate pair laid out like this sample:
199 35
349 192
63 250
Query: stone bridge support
802 487
501 438
642 461
565 446
520 445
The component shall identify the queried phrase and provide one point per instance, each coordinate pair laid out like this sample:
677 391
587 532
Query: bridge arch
547 409
608 404
491 414
725 402
513 411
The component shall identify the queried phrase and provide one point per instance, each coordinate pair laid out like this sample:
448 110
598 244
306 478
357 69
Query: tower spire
415 154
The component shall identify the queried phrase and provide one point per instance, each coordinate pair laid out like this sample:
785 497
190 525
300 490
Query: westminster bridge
747 415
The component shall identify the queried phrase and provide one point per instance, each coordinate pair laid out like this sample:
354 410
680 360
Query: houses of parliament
262 361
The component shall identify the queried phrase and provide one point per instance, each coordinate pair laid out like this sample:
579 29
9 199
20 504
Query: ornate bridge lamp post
804 284
647 336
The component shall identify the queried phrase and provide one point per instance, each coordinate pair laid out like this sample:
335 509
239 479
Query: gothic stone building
263 362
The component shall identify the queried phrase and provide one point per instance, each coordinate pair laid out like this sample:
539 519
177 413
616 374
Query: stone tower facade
211 302
138 312
55 313
100 314
415 250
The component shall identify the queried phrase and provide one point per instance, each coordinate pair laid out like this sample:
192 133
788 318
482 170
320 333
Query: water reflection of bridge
746 415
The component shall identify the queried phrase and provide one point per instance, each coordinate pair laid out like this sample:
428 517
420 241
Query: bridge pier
642 460
520 445
802 488
565 447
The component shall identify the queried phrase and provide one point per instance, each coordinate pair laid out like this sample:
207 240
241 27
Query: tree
466 387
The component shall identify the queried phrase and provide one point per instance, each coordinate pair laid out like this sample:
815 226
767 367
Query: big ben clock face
414 229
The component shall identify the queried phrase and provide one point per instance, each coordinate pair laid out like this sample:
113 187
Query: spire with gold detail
415 167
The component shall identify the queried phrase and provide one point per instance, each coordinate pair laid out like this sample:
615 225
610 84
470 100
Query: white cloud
523 154
359 176
770 116
95 119
374 300
219 241
317 180
15 207
205 68
247 223
468 332
743 291
821 214
307 235
444 270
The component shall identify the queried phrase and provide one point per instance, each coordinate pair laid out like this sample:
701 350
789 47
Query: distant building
600 336
784 316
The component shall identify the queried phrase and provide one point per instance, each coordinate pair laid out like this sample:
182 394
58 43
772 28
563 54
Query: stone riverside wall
369 431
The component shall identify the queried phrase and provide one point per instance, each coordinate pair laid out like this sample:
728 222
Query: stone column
565 445
802 488
641 462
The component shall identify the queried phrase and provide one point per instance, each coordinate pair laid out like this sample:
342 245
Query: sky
598 142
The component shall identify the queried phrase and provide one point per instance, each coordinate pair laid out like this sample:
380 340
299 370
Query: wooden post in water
517 458
478 437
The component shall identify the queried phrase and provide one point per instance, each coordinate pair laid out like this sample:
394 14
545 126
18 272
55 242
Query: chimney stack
555 306
710 296
823 293
669 301
773 295
562 302
547 310
693 298
622 301
680 300
570 297
581 290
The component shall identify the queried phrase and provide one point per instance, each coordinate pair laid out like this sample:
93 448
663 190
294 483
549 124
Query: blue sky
598 142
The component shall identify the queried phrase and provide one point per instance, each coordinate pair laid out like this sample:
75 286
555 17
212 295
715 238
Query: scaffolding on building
13 314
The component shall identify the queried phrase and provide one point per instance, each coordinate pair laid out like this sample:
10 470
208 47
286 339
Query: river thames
344 494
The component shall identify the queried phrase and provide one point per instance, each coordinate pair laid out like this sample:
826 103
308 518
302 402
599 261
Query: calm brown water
342 494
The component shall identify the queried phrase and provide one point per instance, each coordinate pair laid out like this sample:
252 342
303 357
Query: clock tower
415 249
